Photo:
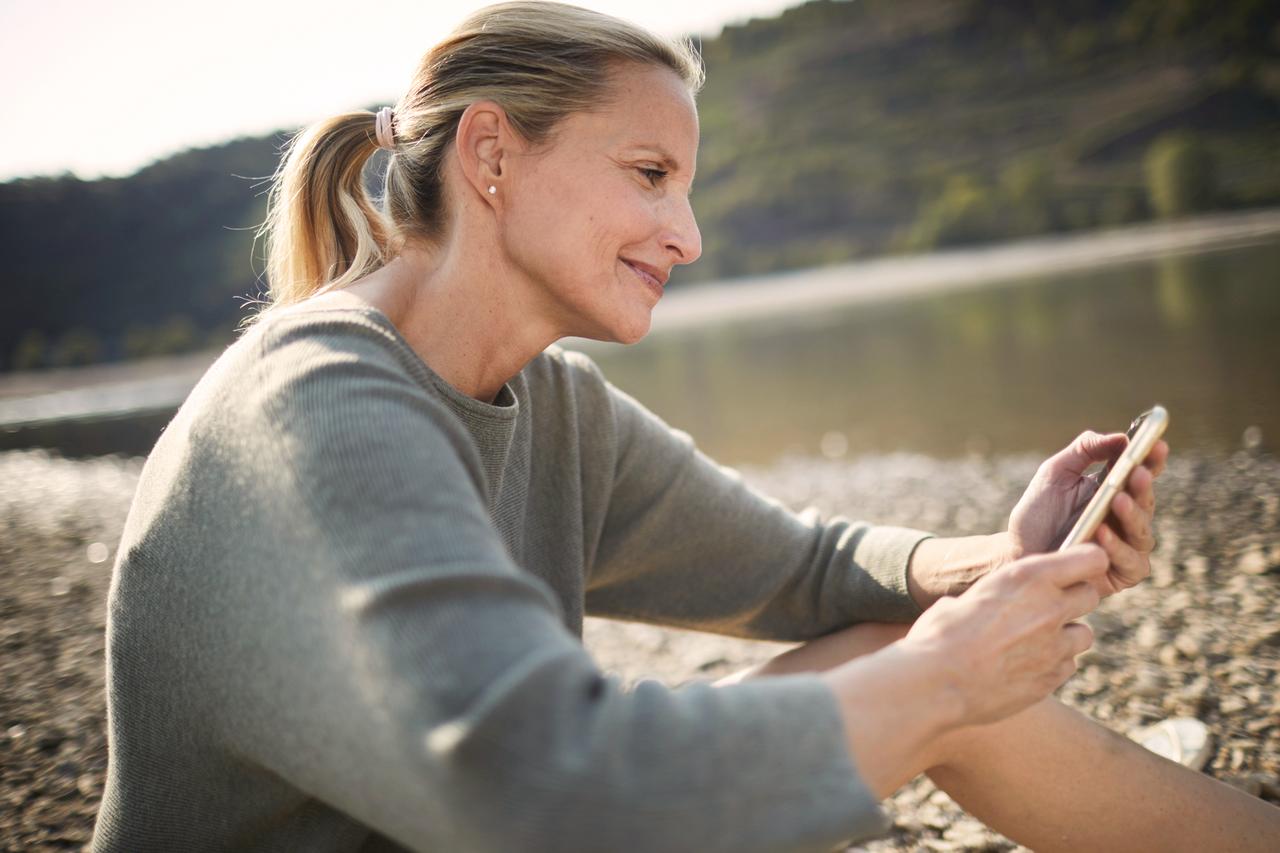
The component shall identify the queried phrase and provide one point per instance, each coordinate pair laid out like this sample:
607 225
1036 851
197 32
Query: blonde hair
539 60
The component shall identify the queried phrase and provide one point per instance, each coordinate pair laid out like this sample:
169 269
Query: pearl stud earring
492 189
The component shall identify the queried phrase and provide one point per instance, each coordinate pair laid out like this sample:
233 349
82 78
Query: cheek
591 227
571 227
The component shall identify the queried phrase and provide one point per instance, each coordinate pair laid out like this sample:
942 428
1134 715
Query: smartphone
1143 433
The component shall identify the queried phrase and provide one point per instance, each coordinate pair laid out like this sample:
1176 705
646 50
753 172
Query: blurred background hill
834 131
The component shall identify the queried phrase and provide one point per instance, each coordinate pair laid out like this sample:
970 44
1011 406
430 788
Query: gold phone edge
1100 504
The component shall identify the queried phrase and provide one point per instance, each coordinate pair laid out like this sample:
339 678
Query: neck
473 322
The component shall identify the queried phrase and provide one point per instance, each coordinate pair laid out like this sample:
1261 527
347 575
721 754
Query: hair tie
386 133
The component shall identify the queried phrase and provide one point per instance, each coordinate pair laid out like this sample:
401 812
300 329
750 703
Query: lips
646 271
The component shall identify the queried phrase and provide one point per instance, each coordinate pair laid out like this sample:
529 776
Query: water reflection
1021 366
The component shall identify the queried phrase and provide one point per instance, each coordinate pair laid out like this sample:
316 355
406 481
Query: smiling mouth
644 275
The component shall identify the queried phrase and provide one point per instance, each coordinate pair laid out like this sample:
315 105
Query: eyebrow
664 157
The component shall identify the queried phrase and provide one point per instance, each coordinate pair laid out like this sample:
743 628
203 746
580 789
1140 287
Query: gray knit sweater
347 615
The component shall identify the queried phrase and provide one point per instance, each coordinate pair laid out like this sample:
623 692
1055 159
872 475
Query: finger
1079 599
1127 562
1141 487
1078 636
1089 447
1135 522
1065 568
1157 458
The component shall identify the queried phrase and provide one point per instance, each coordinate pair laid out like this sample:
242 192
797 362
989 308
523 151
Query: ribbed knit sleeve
686 542
382 652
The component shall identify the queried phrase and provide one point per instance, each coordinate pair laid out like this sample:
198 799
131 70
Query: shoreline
148 386
891 277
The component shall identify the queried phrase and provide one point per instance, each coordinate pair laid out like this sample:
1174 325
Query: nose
683 239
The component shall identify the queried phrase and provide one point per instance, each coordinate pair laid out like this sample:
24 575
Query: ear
486 143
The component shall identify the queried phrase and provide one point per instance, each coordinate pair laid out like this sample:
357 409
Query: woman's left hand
1059 492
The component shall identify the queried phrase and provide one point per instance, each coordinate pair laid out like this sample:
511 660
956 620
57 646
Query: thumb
1089 447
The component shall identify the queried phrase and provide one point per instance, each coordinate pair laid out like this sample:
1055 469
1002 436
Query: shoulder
321 381
599 404
570 378
315 340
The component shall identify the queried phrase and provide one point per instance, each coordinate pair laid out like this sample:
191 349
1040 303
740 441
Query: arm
950 565
687 543
406 672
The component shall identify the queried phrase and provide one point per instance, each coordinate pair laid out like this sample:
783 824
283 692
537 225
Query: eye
653 175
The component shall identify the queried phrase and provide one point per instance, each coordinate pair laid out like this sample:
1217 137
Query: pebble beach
1200 638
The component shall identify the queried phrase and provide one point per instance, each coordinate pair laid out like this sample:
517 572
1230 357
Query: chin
631 333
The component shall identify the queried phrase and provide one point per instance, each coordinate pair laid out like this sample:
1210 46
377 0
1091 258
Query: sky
105 88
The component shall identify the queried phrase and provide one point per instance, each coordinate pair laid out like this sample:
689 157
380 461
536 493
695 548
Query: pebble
1206 643
1148 685
1189 645
1254 561
1149 635
87 785
1104 623
1257 784
1197 565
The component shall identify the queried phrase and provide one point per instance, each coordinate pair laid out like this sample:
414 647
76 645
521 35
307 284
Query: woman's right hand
1010 639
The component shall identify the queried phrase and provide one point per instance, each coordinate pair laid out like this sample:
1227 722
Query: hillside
836 130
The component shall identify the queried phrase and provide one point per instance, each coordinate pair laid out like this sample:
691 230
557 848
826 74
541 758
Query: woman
347 609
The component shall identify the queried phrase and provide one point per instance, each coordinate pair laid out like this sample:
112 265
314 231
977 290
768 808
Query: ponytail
322 229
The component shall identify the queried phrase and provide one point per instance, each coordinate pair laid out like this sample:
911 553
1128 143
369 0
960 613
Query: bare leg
1052 779
825 652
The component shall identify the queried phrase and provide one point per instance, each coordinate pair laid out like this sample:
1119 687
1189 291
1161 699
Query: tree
31 351
1179 173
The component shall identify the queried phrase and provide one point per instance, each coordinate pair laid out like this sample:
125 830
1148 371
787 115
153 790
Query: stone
1188 645
1254 561
1256 784
1149 635
1197 565
1148 685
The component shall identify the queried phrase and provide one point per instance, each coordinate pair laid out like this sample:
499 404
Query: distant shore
904 276
113 390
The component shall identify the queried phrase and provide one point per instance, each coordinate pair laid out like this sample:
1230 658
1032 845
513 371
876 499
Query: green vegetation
1179 173
834 131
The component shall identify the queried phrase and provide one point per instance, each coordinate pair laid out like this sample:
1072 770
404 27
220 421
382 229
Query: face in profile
599 216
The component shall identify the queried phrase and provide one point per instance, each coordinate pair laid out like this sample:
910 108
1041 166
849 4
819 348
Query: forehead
646 106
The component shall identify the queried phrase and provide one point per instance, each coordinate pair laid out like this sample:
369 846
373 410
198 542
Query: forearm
895 705
948 566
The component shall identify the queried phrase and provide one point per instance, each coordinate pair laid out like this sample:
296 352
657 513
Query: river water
1022 365
946 355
